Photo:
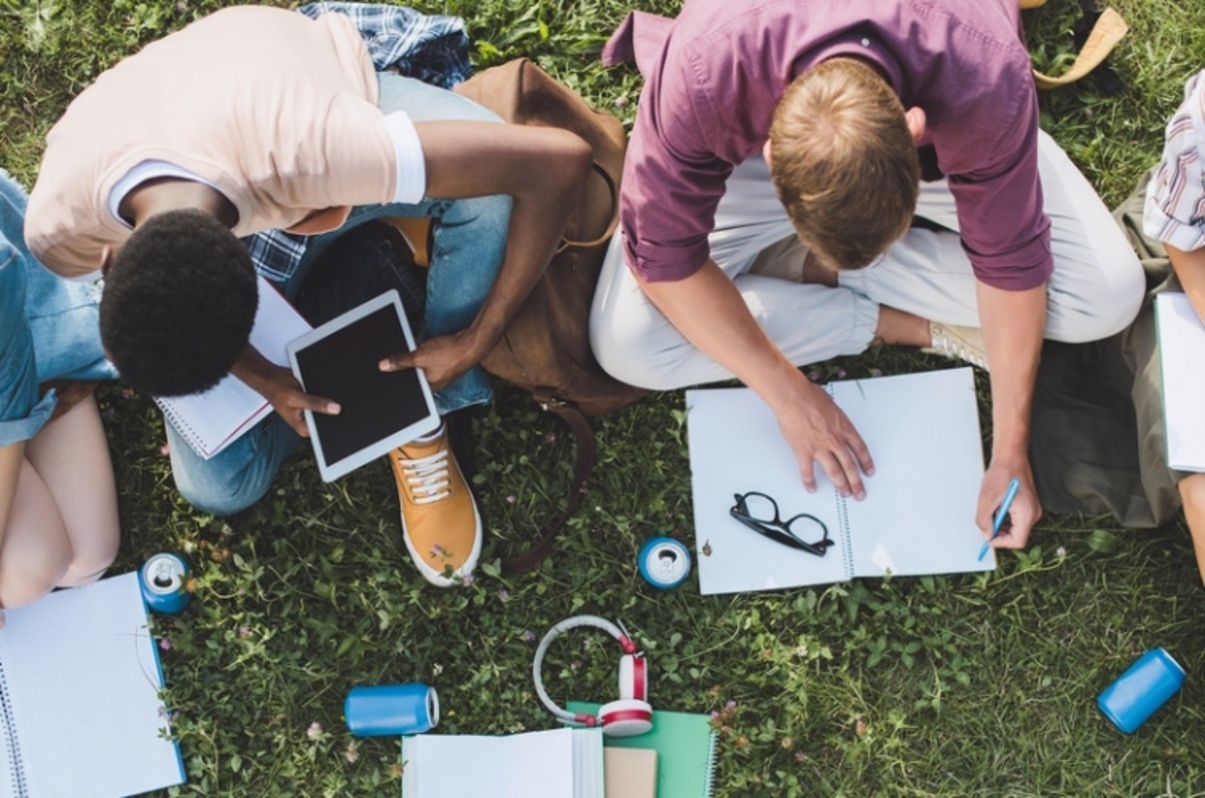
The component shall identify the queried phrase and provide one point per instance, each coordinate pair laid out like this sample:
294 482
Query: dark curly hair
178 304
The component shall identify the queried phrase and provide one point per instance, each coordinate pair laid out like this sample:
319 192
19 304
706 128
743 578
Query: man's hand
288 399
819 431
1022 515
442 359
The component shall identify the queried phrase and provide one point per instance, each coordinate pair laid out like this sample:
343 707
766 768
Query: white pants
1094 292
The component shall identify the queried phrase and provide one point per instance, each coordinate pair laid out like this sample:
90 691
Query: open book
80 714
212 420
918 516
564 763
1182 360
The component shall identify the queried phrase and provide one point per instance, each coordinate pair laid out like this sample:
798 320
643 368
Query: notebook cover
685 746
630 772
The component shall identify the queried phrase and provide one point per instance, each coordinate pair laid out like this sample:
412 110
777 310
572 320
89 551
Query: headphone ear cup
633 678
626 718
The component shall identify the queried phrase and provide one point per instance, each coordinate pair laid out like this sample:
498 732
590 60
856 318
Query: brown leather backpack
546 347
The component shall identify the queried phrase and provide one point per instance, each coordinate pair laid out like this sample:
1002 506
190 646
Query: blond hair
844 162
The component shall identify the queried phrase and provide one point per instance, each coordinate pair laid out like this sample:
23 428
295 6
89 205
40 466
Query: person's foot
440 522
960 343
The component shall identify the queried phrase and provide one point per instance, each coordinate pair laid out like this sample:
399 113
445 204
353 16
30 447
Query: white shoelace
428 477
953 347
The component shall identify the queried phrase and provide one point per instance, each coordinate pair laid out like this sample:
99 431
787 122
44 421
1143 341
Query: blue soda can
162 578
1143 688
391 709
664 562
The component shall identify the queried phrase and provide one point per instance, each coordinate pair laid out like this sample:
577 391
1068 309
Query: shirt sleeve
1005 231
672 181
21 412
1174 212
411 171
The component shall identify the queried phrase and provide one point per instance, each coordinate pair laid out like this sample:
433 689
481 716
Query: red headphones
631 714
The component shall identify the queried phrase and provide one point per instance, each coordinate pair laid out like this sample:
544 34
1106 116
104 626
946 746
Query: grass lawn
978 685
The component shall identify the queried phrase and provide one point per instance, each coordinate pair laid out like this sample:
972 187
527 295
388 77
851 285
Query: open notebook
564 763
80 714
918 516
212 420
1182 360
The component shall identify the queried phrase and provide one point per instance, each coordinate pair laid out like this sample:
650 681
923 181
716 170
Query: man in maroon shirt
814 103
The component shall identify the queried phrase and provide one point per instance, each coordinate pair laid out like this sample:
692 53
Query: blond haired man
786 138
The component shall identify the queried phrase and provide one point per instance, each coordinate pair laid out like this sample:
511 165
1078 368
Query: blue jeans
469 240
49 327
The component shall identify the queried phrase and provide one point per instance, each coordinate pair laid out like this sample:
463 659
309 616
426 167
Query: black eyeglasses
759 512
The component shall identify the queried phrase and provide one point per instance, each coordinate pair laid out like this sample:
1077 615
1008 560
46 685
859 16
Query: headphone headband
575 622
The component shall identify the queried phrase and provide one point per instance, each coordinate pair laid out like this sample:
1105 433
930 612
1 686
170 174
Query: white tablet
380 410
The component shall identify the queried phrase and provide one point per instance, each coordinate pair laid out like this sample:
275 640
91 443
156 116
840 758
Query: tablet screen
343 367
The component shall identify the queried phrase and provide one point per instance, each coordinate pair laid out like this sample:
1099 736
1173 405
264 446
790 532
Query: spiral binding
177 420
16 764
847 553
707 785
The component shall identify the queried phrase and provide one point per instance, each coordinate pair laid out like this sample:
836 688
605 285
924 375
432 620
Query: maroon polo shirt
714 75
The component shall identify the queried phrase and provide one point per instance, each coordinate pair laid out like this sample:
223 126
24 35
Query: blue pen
1001 514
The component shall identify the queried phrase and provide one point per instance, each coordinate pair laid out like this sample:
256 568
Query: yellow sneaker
440 522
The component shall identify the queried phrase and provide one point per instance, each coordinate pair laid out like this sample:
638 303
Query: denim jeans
48 327
469 240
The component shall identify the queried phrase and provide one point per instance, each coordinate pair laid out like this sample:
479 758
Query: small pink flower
550 438
800 756
503 595
621 101
127 393
438 550
841 374
468 580
165 644
814 375
165 449
873 373
529 636
244 632
730 705
510 499
352 753
314 731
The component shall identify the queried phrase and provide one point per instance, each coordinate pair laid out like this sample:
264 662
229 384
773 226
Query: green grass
964 686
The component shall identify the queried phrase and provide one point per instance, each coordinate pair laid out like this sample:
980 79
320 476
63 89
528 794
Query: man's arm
1190 268
281 389
1013 325
708 310
543 170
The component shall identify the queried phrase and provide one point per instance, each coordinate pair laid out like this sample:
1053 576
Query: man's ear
915 118
765 153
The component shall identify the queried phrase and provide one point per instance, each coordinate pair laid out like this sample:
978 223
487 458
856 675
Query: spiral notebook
80 713
685 744
1181 342
212 420
918 516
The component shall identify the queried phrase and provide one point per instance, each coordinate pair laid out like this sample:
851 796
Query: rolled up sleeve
1005 231
21 412
1174 212
672 182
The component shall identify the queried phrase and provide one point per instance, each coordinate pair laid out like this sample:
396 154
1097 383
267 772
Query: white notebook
1182 360
80 714
918 516
212 420
564 763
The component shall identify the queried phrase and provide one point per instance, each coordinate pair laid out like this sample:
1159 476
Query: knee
1113 301
34 577
93 557
222 497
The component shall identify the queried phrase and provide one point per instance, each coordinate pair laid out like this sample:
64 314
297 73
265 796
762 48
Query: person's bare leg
72 457
1192 491
35 553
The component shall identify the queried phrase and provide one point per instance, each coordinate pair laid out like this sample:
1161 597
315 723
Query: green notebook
685 746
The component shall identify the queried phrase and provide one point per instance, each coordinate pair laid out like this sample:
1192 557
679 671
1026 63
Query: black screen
376 404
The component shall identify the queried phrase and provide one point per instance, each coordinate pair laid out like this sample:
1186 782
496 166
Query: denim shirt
49 328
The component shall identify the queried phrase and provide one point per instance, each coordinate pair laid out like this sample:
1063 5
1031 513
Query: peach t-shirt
274 109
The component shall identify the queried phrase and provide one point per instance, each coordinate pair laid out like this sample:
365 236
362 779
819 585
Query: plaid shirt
1175 201
431 48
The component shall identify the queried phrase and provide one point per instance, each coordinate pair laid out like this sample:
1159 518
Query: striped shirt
1175 200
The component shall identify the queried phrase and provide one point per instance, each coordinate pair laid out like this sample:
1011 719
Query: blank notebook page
919 513
83 680
1181 344
532 765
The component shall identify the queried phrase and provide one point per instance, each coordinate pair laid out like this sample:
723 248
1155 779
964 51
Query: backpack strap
1109 29
587 456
